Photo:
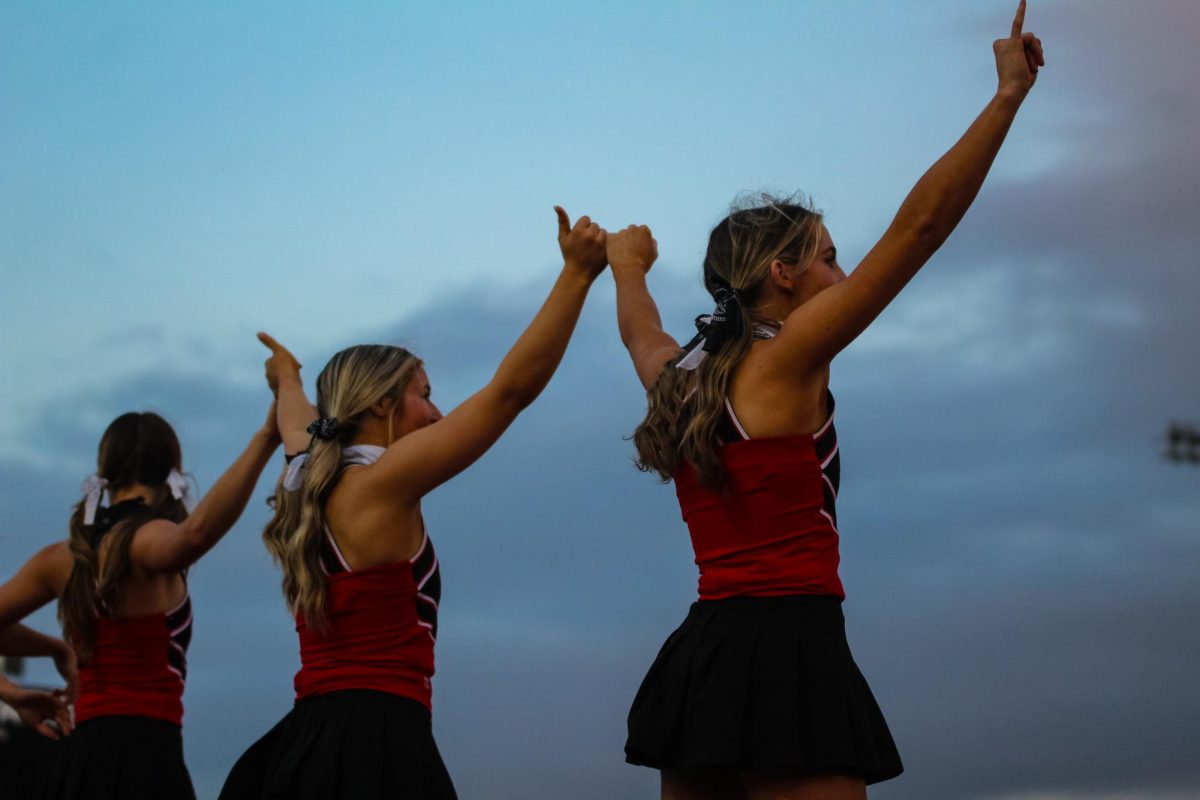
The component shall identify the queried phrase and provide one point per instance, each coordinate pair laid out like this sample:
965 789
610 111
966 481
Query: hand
633 248
67 664
38 709
583 247
1018 57
281 363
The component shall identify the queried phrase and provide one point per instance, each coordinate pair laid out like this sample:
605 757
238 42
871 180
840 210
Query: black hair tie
324 428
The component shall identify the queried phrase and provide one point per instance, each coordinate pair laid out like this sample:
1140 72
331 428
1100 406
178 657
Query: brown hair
136 448
352 381
684 408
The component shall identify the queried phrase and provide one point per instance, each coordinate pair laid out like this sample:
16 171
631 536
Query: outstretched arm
821 327
631 253
161 546
416 463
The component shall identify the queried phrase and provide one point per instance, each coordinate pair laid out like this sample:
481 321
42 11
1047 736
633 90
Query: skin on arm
39 581
19 640
631 253
418 462
161 546
822 326
293 411
37 708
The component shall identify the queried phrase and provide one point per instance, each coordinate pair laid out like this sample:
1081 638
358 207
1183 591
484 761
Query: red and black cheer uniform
759 675
361 726
128 714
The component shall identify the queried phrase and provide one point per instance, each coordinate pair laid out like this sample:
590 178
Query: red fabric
129 672
764 533
374 639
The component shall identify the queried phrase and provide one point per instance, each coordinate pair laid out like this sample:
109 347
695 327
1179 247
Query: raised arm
631 253
418 462
821 327
161 546
293 411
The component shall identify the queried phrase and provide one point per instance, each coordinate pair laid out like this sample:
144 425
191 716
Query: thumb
564 222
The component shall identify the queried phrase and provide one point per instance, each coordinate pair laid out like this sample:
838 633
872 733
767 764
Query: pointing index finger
269 341
1019 21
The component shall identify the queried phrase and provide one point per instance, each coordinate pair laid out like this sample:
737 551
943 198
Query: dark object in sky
1183 443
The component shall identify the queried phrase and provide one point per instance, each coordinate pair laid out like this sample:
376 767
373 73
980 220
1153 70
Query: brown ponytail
137 448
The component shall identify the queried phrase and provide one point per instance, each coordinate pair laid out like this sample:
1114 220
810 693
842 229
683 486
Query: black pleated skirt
119 757
751 683
355 743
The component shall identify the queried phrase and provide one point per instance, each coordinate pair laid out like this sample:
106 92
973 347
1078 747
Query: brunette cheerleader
120 582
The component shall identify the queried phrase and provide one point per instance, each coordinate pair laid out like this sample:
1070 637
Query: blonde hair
352 381
684 407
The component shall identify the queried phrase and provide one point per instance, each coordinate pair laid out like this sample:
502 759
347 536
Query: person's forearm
293 413
224 503
8 691
531 362
637 313
19 640
942 196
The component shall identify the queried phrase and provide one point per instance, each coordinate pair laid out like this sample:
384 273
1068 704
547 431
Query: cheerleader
120 582
756 694
360 572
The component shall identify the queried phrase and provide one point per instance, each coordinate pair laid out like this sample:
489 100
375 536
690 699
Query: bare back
143 592
768 406
369 530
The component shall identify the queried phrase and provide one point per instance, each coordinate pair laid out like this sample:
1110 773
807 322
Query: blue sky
1019 560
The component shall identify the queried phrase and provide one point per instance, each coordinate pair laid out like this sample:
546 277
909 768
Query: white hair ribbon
696 353
181 490
293 477
93 491
355 455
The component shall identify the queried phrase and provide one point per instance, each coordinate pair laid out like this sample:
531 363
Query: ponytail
685 404
350 384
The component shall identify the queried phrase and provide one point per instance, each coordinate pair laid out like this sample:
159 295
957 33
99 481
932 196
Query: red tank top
772 529
382 624
138 667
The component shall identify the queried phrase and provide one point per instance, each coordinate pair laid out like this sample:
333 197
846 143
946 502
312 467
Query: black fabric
108 516
355 743
120 757
752 683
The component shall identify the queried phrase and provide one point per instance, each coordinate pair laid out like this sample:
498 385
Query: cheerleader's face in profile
415 409
821 273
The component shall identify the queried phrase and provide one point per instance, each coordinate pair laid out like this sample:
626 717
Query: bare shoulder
772 400
53 563
370 527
